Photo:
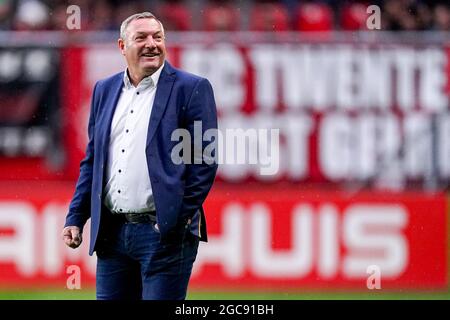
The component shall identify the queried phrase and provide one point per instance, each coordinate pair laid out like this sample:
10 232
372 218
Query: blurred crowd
229 15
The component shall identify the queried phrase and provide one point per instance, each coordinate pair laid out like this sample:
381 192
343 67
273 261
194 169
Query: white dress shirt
128 187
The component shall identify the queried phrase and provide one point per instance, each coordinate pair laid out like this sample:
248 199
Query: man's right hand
72 236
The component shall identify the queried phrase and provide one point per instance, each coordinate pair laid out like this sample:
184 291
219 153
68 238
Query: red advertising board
263 238
354 111
346 112
288 238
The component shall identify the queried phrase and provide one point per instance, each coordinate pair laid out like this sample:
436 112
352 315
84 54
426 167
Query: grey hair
142 15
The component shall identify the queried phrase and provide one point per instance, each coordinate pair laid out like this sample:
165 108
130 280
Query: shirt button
123 150
120 210
137 92
131 111
127 131
118 191
120 171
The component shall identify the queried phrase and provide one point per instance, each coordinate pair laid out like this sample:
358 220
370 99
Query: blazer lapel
162 95
110 105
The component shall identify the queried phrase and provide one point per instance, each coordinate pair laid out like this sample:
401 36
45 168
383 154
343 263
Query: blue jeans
132 264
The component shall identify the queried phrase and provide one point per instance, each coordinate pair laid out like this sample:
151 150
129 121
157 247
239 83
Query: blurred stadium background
364 126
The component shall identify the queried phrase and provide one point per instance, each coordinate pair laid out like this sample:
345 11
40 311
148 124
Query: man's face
144 47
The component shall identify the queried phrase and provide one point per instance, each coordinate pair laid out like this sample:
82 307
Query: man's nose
150 42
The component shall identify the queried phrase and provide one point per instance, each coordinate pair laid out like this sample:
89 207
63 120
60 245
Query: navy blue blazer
179 190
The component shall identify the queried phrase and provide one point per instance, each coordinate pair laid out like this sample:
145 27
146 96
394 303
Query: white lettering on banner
295 72
364 146
405 66
56 214
347 146
345 80
36 244
373 235
374 72
366 150
19 247
52 219
350 146
307 76
368 95
389 173
227 249
296 130
293 263
265 60
370 234
327 265
335 141
322 77
223 65
348 78
433 80
418 145
55 253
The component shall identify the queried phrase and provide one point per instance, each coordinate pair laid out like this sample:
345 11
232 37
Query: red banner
260 238
377 115
350 112
287 238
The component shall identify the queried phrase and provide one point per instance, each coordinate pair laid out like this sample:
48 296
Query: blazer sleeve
80 206
200 174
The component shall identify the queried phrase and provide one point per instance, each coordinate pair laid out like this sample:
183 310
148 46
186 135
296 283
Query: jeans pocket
189 249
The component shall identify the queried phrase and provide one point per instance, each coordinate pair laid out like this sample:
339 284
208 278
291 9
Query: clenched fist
72 236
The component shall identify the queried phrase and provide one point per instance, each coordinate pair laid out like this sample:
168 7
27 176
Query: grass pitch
89 294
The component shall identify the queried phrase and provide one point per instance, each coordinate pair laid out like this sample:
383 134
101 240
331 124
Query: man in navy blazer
145 208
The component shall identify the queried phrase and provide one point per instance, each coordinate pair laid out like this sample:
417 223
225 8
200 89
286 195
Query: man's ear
121 44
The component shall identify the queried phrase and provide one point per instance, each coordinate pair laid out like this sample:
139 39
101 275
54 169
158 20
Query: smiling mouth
150 55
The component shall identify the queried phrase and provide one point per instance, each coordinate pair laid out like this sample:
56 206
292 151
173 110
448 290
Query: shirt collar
148 81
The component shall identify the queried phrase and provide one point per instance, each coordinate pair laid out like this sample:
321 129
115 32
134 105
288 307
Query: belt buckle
132 218
136 218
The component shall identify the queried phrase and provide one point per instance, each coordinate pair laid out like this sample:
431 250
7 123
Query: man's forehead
144 25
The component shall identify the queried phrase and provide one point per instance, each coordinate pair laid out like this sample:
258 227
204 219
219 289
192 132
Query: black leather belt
143 217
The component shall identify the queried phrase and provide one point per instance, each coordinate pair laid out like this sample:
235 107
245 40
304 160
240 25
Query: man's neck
135 79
